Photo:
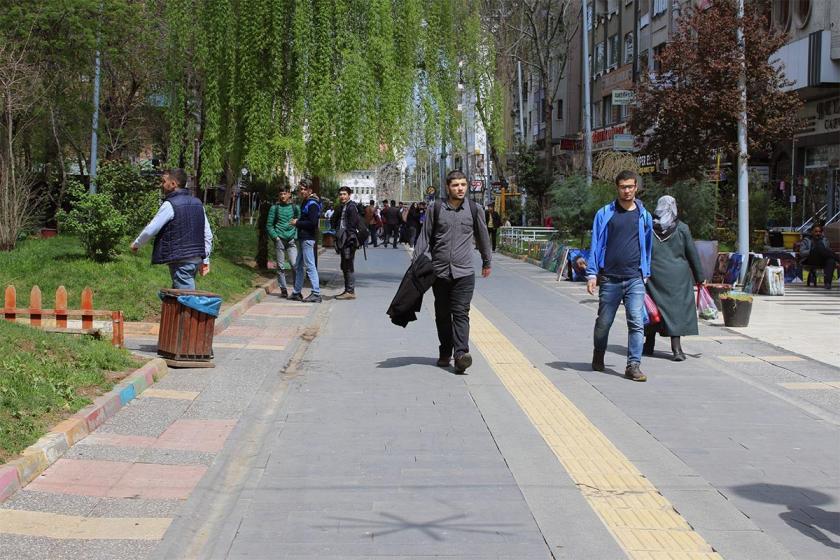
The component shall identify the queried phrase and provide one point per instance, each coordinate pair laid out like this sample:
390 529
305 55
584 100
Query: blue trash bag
211 305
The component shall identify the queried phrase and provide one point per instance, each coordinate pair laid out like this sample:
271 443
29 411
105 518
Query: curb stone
36 458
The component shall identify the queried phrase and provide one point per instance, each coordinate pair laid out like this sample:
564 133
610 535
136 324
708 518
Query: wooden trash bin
185 338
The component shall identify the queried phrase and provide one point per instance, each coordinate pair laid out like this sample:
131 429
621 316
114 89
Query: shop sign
602 139
623 97
624 142
477 186
647 164
820 117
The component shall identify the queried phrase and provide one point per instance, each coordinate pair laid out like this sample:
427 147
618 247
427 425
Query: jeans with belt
305 266
612 292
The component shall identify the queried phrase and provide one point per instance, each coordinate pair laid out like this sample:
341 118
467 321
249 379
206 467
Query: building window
659 7
781 14
589 18
803 12
657 53
628 48
613 51
599 58
559 109
596 115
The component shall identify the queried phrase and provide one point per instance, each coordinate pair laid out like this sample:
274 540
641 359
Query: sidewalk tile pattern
642 521
56 526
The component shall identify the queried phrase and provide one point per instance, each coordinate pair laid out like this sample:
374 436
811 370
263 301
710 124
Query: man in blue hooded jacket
307 226
620 264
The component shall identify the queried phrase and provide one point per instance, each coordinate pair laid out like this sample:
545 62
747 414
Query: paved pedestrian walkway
116 492
328 433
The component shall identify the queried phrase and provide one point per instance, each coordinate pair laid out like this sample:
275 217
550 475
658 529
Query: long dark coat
674 270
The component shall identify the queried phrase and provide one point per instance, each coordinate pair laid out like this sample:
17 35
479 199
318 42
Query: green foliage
95 219
696 203
136 197
574 204
44 377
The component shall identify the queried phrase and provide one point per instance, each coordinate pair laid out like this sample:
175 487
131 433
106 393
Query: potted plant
736 307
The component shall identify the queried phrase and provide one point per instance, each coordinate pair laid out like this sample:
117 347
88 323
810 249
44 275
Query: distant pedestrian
307 226
675 269
392 218
403 222
413 223
494 221
620 263
283 234
371 218
451 229
816 252
345 222
183 239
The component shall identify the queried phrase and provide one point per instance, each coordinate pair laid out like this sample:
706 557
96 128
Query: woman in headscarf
674 270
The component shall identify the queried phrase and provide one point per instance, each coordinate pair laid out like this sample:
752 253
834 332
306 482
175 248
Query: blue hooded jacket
599 238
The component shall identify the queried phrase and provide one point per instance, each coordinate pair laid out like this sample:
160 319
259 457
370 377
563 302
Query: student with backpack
449 231
283 234
307 227
351 233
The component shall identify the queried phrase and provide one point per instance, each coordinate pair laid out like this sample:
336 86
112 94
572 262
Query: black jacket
349 234
409 297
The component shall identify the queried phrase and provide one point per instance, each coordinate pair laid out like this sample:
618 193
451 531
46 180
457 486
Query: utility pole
743 180
94 143
587 104
524 198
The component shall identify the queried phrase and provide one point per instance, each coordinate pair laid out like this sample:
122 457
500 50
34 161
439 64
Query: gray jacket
450 242
810 244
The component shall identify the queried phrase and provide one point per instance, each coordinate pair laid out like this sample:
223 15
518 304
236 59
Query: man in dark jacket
450 230
345 222
815 252
392 218
307 226
494 222
183 239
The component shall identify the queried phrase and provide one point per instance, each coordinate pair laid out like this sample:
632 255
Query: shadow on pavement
402 361
803 513
584 367
434 529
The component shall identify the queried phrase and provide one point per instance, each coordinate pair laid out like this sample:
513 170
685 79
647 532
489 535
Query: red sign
477 185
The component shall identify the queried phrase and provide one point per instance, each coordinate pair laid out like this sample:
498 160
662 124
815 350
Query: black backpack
362 232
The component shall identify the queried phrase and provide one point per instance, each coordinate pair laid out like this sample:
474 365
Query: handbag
652 316
706 308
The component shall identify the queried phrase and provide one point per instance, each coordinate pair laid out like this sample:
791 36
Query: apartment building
808 166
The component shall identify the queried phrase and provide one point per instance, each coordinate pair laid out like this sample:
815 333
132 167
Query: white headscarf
666 212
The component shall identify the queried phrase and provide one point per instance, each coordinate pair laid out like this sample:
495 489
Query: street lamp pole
94 141
743 180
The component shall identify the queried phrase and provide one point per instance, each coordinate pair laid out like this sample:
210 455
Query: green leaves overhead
331 84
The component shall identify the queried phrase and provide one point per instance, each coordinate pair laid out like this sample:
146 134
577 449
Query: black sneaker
312 298
633 372
462 362
444 361
597 360
295 297
284 293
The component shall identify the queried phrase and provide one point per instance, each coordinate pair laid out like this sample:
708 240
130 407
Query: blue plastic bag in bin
211 305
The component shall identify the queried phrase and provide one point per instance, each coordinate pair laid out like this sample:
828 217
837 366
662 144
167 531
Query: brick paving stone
82 477
196 435
150 481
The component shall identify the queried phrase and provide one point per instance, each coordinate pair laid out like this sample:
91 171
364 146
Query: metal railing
820 215
521 239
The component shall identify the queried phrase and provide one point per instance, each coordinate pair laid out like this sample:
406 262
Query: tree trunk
262 236
60 199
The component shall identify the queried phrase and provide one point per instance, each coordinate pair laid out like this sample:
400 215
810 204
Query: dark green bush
135 196
97 222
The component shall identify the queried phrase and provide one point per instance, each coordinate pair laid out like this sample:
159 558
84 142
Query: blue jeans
183 275
611 293
306 262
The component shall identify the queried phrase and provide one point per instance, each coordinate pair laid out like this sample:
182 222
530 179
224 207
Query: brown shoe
346 295
633 372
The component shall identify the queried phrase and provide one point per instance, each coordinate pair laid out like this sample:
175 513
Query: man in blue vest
183 239
620 264
307 226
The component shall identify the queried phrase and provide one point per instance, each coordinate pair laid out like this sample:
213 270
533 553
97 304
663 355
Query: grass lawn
46 377
130 283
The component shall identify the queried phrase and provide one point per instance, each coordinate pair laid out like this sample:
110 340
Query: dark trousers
494 234
452 313
348 257
392 231
826 260
374 235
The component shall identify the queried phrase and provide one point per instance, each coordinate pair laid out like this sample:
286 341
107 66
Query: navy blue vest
183 236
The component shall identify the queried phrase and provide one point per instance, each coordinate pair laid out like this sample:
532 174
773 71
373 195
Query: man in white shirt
183 239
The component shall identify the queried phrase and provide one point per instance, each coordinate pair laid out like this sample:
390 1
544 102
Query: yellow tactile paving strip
56 526
643 522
